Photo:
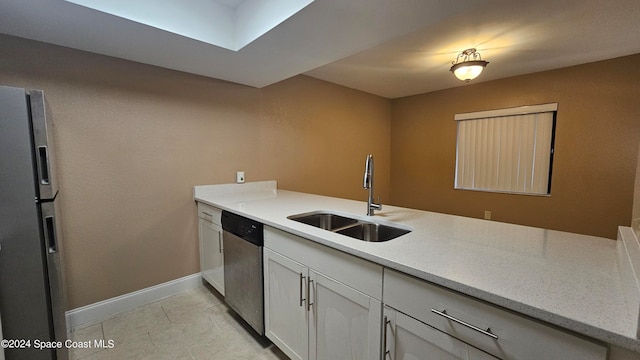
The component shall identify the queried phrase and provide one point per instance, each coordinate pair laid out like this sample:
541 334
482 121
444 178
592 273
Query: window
506 150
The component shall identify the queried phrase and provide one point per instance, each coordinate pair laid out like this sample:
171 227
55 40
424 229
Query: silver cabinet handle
486 332
302 277
220 242
309 303
385 352
206 213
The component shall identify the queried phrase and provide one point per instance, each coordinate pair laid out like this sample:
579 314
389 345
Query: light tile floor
192 325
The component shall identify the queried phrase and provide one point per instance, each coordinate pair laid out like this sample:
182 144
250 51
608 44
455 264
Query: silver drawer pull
444 314
206 213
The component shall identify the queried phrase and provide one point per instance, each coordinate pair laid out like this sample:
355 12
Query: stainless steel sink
360 228
323 220
373 232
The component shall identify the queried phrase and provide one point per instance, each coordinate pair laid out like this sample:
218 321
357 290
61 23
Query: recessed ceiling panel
231 24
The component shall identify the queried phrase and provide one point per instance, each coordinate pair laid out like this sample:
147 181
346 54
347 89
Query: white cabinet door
285 302
410 339
345 323
212 254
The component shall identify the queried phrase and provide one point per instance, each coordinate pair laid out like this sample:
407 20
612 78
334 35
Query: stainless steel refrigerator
32 293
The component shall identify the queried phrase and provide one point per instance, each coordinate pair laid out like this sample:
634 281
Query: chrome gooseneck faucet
368 184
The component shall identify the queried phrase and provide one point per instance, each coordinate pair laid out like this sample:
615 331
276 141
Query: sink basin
326 221
373 232
360 228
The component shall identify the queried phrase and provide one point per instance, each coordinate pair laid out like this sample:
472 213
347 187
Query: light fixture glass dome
470 67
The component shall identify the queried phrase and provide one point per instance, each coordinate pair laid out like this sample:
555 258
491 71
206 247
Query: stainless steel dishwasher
243 240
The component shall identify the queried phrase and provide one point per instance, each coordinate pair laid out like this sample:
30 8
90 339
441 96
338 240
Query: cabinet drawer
506 335
353 271
209 213
408 338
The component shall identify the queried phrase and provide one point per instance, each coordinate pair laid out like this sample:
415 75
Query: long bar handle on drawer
444 314
206 213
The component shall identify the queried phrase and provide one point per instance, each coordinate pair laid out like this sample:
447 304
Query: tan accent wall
133 140
314 137
597 137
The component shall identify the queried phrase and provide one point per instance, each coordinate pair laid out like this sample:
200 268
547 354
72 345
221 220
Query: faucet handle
378 205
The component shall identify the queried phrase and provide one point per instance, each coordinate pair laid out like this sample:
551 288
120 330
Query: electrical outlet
240 177
487 215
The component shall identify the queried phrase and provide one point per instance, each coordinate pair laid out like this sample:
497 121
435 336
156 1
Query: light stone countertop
578 282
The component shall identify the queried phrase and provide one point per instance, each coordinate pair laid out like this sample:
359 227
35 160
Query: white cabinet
345 323
321 303
285 306
312 315
409 339
498 332
211 246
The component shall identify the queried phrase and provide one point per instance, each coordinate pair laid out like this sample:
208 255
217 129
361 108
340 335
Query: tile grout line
165 313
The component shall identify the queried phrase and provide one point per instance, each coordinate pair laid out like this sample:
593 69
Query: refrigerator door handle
43 146
50 234
43 162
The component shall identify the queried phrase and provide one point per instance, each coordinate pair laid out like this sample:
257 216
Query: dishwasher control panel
245 228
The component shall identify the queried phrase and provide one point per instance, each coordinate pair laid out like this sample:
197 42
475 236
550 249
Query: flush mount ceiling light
468 65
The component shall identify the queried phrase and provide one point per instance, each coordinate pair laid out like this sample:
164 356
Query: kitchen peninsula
582 284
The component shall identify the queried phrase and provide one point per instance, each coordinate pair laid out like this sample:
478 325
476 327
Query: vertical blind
508 150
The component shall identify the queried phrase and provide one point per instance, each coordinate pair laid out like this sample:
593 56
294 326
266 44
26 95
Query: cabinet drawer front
408 338
355 272
477 323
209 213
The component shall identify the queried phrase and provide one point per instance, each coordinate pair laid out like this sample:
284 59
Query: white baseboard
104 309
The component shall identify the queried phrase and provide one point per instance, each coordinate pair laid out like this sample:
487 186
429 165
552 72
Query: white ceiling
230 24
390 48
